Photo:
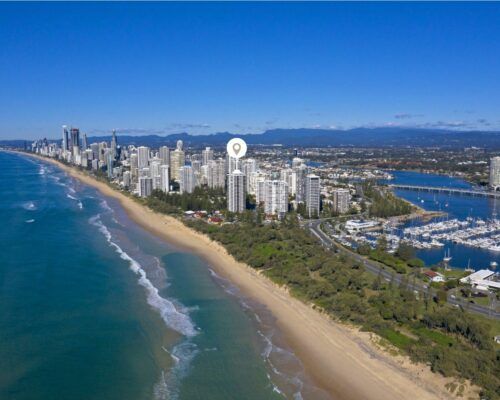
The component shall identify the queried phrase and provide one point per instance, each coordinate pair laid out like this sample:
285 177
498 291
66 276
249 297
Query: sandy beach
340 359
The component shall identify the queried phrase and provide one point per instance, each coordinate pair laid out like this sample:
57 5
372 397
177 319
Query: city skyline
170 68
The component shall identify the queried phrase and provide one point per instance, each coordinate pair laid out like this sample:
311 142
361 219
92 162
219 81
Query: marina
470 232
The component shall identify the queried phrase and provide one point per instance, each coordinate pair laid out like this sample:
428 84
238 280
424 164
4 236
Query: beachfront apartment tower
312 195
165 178
495 173
114 145
187 180
142 157
65 139
177 160
145 186
236 191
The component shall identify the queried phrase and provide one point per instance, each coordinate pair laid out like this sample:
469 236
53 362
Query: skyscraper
165 178
312 195
231 164
114 144
186 179
165 155
341 199
134 170
177 160
249 166
84 142
216 174
65 140
154 167
145 186
253 179
207 155
299 174
495 173
109 163
142 157
75 143
236 192
275 197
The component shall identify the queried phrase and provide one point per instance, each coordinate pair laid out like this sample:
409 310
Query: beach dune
338 358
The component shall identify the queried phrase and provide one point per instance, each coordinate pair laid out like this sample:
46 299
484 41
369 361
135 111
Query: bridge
448 190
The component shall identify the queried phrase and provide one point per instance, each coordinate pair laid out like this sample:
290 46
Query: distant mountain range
359 137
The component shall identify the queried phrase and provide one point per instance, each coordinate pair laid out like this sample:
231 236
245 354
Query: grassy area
397 339
435 336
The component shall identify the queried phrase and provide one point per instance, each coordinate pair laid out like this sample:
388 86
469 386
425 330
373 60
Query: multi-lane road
373 267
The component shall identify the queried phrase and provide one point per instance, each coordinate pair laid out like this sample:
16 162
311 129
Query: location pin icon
236 148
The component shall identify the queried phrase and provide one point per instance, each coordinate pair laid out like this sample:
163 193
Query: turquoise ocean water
94 307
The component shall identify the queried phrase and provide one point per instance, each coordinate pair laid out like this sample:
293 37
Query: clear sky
246 67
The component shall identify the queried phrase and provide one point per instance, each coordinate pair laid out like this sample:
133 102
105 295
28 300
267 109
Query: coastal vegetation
385 204
451 341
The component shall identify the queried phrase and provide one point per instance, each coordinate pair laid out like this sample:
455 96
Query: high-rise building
177 160
495 173
312 195
84 142
154 167
134 166
165 178
145 186
75 143
142 157
287 176
187 181
95 150
231 164
275 197
248 167
236 192
296 161
65 140
216 174
165 155
114 144
109 163
127 180
207 155
341 199
300 172
254 178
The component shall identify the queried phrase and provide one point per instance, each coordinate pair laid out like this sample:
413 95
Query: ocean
94 307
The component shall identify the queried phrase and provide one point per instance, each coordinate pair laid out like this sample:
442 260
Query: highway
375 268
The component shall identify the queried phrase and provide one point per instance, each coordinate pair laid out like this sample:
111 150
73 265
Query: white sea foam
171 315
104 204
29 221
29 205
71 197
42 170
167 388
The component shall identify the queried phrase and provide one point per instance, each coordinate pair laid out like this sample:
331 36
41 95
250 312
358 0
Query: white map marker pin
236 148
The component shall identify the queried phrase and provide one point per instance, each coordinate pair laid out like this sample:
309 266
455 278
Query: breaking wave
30 206
171 315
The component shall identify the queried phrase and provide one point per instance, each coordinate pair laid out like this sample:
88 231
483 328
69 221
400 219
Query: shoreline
341 360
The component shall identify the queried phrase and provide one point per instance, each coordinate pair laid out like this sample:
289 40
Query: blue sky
246 67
